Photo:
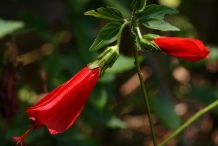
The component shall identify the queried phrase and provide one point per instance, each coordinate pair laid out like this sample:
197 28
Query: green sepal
108 13
136 40
149 44
138 5
106 59
107 35
150 36
153 15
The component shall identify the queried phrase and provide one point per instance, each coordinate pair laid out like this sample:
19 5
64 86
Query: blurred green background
51 44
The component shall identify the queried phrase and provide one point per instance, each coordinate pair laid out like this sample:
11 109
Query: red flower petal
59 109
184 48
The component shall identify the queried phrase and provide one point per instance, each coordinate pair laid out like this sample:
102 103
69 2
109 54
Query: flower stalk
145 96
120 32
137 64
189 122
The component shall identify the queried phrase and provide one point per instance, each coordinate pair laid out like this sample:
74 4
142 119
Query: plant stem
137 64
120 32
189 122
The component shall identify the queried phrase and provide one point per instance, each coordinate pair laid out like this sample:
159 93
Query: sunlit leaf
123 64
26 94
99 98
8 27
114 122
107 77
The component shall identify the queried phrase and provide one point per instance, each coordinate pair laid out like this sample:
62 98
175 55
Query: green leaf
159 24
201 94
114 122
164 109
107 35
99 98
103 116
204 95
109 13
123 63
8 27
122 6
107 77
153 15
213 53
156 11
138 5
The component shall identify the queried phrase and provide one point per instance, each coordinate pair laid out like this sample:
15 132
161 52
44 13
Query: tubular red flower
60 108
184 48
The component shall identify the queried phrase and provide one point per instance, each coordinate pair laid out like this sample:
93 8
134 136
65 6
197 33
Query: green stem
139 32
189 122
137 64
120 32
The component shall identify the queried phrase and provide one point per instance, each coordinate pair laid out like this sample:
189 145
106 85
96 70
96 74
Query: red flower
59 109
184 48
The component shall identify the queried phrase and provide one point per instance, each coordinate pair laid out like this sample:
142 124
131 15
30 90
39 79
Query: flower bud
184 48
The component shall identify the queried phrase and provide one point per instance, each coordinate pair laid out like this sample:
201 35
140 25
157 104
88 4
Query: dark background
53 46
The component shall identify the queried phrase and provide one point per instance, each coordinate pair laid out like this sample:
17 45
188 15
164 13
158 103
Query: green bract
149 45
107 35
109 13
153 15
106 59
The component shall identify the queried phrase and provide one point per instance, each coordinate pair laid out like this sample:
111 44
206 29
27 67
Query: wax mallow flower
59 109
185 48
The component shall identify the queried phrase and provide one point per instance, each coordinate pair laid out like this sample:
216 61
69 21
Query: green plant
149 16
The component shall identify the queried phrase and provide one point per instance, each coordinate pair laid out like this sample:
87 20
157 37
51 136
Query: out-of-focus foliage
53 46
8 27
